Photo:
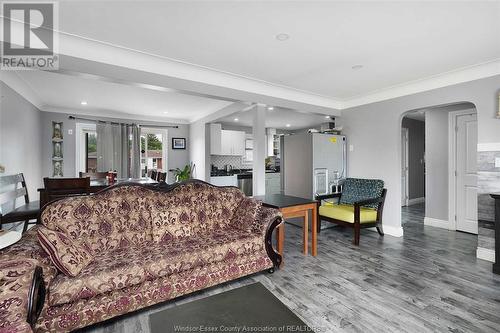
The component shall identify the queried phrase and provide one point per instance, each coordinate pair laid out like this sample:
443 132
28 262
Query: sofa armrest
21 294
271 219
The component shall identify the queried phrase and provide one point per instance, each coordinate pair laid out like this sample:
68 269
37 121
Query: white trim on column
432 222
485 254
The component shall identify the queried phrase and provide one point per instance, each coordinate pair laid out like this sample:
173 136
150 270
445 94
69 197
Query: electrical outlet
497 162
70 132
351 147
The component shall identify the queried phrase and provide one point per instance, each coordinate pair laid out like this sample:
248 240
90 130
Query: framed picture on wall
178 143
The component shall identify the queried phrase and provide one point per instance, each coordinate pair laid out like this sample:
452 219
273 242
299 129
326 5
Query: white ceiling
278 118
59 92
397 42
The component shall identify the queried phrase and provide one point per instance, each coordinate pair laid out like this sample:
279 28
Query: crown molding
461 75
16 83
102 113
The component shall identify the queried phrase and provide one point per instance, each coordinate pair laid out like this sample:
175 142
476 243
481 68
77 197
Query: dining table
97 185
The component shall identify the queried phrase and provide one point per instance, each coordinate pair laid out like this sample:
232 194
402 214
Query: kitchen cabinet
224 180
273 183
224 142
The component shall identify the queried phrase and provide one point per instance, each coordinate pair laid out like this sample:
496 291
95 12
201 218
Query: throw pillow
65 254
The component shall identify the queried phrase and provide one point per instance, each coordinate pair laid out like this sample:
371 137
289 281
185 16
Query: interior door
466 173
404 167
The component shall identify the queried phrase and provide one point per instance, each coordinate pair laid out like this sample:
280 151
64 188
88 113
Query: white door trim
452 165
405 164
79 152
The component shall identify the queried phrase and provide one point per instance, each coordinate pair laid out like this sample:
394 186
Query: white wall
436 182
20 132
375 131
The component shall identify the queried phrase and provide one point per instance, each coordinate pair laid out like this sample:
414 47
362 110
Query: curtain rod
117 123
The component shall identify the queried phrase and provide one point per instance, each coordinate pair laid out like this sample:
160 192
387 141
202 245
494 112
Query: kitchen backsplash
235 161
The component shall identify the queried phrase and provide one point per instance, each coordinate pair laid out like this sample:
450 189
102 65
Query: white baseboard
485 254
429 221
416 201
390 230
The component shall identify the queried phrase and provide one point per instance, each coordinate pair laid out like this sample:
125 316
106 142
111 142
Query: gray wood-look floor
427 281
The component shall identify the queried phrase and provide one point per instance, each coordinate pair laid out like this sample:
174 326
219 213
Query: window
90 151
86 148
153 150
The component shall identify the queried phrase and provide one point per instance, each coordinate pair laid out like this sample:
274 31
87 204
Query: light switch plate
497 162
351 147
70 132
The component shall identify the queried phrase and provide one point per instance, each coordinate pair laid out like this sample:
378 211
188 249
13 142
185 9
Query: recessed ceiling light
83 102
288 125
282 37
357 67
165 112
236 119
327 117
270 108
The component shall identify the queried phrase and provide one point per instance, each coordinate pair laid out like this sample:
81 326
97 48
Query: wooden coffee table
292 207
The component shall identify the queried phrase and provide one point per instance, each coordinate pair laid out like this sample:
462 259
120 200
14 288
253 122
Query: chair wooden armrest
328 196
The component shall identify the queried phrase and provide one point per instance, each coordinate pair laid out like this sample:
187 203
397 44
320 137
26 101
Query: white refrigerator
310 163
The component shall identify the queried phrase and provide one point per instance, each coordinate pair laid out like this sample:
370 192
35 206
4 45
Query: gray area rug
251 308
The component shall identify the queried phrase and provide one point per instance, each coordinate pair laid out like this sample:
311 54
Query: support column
259 149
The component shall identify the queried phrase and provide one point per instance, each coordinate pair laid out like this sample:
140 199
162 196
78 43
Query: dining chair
56 188
153 174
10 192
94 175
161 177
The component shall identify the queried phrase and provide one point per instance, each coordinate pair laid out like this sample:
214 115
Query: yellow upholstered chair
360 205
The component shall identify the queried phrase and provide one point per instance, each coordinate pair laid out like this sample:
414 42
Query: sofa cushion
132 266
346 213
356 189
69 257
117 218
192 209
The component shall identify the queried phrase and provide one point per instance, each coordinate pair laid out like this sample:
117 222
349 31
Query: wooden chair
161 177
28 211
94 175
359 206
66 187
153 174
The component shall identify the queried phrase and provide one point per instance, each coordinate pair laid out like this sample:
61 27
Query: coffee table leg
305 232
314 231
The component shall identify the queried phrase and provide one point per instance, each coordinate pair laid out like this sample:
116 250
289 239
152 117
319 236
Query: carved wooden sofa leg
271 251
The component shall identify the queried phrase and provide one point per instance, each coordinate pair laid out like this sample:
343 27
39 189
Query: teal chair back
357 189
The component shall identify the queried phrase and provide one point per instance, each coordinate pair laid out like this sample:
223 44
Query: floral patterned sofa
132 246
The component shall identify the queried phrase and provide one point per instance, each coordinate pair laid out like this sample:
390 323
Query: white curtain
115 150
